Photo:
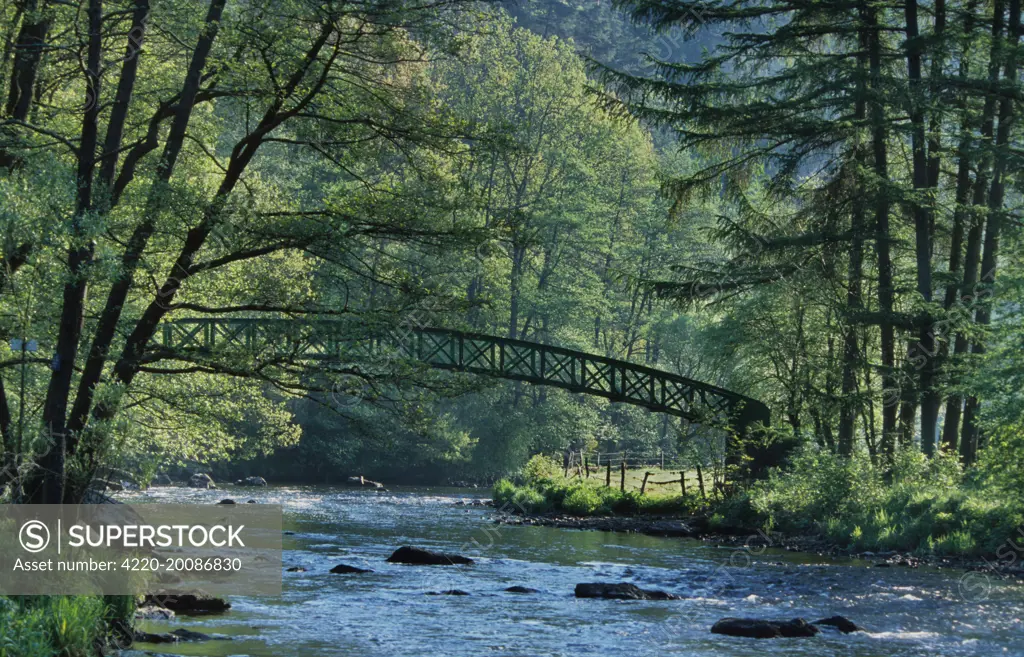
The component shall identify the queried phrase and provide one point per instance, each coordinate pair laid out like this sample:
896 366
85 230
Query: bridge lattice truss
541 364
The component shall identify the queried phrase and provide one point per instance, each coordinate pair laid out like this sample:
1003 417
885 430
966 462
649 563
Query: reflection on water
387 612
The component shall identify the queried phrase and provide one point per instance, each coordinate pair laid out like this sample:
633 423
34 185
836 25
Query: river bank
698 528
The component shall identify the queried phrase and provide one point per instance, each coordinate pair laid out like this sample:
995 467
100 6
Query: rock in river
841 623
171 637
345 569
521 589
755 628
201 480
189 603
151 612
251 481
448 592
421 557
616 591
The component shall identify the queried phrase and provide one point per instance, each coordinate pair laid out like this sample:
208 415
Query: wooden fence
581 464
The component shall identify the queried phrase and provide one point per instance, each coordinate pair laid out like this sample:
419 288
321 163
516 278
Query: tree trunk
49 487
882 239
972 260
28 53
950 430
855 271
993 225
924 351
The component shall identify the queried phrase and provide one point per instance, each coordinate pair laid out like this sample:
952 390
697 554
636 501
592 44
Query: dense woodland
812 204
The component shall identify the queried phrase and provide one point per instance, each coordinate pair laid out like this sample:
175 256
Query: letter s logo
34 536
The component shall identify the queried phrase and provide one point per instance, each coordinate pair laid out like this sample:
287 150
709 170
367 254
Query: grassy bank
61 626
928 507
544 490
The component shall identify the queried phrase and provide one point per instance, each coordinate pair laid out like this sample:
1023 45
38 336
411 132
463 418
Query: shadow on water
387 612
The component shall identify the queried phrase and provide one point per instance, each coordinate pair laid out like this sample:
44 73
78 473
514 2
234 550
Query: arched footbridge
518 360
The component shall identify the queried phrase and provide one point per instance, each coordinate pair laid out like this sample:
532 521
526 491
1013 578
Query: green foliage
504 492
547 490
582 501
541 468
923 505
58 626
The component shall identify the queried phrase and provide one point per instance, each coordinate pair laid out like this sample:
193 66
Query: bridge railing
577 371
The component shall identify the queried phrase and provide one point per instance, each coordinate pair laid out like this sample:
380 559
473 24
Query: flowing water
388 612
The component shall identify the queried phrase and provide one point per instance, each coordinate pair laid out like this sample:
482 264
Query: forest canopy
814 205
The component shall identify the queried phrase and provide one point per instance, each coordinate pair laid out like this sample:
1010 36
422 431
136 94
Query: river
908 612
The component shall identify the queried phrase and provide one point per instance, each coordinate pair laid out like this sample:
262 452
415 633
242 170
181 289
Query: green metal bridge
540 364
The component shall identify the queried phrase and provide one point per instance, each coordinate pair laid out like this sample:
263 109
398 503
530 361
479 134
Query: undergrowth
920 505
60 626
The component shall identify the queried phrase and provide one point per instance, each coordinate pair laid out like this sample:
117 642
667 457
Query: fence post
643 486
662 459
586 464
682 481
700 483
608 475
622 474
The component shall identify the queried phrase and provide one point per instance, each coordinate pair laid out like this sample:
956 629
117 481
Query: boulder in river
297 569
180 634
251 481
201 480
448 592
151 637
521 589
841 623
620 591
421 557
161 480
189 635
152 612
755 628
345 569
226 501
189 603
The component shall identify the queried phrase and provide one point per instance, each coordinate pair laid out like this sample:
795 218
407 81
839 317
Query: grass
546 490
660 482
60 626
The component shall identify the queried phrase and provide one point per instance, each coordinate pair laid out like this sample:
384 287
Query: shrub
541 469
530 500
76 624
68 626
928 507
504 492
582 500
24 633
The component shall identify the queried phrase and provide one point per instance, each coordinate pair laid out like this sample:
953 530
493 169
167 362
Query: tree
179 153
837 119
